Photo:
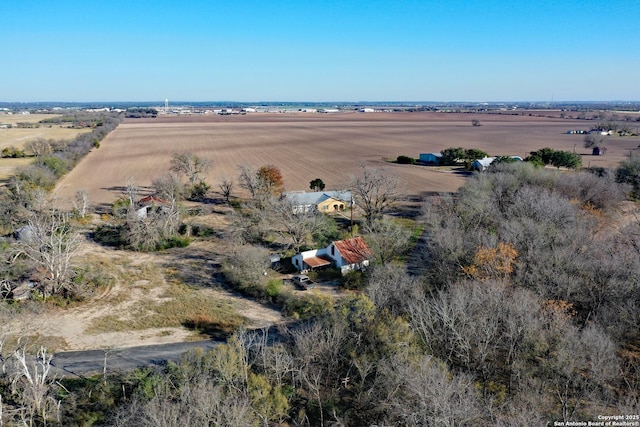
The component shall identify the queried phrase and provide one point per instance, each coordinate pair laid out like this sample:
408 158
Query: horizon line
407 102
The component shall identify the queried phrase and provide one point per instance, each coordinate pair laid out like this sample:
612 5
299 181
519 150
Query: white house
347 255
484 163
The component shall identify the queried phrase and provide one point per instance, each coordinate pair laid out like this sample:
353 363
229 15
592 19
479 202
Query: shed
430 158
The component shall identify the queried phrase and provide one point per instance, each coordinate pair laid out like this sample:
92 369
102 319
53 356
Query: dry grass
178 306
9 166
32 343
13 119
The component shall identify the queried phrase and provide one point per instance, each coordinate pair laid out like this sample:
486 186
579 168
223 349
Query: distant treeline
138 113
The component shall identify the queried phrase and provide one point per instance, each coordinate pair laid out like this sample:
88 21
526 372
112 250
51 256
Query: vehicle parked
302 281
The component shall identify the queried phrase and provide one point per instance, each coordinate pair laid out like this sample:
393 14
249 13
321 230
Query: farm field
18 137
326 146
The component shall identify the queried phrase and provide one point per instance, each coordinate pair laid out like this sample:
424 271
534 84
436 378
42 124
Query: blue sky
312 50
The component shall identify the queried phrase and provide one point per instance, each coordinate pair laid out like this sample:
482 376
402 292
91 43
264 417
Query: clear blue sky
312 50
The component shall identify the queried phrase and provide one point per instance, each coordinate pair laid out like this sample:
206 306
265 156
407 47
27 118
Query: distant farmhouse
482 164
323 201
347 255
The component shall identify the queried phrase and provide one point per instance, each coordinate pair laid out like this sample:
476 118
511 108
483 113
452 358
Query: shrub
55 164
406 160
354 280
273 287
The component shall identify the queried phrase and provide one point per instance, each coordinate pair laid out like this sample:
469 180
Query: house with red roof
347 255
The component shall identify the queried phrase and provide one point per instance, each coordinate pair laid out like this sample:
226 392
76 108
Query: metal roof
315 261
353 251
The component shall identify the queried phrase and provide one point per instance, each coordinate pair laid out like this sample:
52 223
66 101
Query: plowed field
326 146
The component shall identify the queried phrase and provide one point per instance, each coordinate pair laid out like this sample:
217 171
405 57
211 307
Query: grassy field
330 147
18 137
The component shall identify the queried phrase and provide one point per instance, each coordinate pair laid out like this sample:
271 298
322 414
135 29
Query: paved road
81 363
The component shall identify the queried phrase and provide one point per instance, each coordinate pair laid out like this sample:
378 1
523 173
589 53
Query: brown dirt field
326 146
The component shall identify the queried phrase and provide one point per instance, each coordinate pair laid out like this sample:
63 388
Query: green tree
316 185
451 156
473 154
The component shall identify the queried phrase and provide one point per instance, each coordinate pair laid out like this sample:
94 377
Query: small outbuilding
430 158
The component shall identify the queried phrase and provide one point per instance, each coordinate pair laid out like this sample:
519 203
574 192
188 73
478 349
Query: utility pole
352 215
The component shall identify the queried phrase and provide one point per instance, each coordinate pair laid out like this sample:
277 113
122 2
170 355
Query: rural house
347 255
482 164
150 204
430 158
324 201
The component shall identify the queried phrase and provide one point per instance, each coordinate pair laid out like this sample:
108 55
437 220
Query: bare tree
50 244
39 147
249 180
246 265
425 393
391 288
157 226
131 191
375 190
169 188
32 384
387 239
193 166
226 187
294 225
81 202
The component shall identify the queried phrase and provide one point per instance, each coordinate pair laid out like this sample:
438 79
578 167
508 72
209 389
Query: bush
406 160
273 287
55 164
354 280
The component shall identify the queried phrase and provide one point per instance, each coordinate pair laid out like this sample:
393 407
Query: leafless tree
424 393
50 244
226 187
387 239
39 147
249 180
131 191
193 166
158 225
375 190
32 383
246 264
295 225
169 187
392 289
81 202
